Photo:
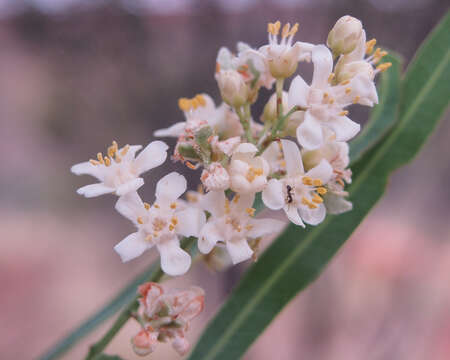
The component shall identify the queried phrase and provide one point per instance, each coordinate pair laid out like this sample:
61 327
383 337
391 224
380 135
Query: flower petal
336 204
272 195
131 247
323 66
86 168
190 221
246 148
344 128
214 202
95 190
152 156
170 187
293 158
239 250
129 186
174 260
263 227
173 131
322 171
209 236
130 206
298 92
244 202
364 87
309 133
293 215
313 216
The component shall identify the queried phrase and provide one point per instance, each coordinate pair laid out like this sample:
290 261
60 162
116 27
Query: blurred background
76 74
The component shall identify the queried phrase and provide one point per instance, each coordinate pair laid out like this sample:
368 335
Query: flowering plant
295 158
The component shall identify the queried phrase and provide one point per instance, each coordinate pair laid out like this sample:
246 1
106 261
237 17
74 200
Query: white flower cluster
240 157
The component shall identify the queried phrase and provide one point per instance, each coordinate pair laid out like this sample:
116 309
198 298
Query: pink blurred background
76 74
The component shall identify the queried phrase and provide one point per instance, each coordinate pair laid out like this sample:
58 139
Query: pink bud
144 342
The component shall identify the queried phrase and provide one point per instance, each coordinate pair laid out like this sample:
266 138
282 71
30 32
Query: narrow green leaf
297 257
383 115
107 357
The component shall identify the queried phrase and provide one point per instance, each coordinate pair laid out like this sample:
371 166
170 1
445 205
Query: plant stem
279 89
244 118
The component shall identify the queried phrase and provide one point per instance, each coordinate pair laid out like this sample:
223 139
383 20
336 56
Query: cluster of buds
241 158
164 316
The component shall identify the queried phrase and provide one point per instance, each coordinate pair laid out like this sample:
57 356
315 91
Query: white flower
345 35
298 194
325 102
198 111
160 225
248 173
232 223
283 57
120 171
274 157
215 177
166 316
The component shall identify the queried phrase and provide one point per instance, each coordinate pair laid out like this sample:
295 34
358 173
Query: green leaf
384 115
107 357
298 256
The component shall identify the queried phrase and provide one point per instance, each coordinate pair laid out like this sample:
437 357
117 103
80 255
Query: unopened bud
144 342
270 109
232 87
345 35
215 177
180 345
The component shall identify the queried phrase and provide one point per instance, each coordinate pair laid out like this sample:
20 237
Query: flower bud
345 35
180 345
144 342
270 109
349 70
215 177
232 87
282 64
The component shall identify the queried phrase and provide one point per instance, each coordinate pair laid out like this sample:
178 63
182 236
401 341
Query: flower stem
279 89
244 118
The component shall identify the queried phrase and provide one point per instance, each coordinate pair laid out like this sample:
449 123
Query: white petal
130 206
239 250
271 154
244 202
129 186
174 260
131 247
190 221
313 216
214 202
323 65
246 148
344 128
298 92
336 204
305 50
130 155
173 131
152 156
309 133
95 190
272 195
263 227
364 87
293 215
86 168
209 236
224 58
322 171
293 158
170 187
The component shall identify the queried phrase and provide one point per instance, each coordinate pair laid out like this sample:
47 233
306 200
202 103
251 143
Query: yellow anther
115 145
173 205
147 206
356 99
156 206
317 199
285 31
307 180
201 99
250 211
340 182
283 164
236 198
171 227
125 150
107 161
184 104
100 158
155 234
384 66
217 67
331 77
348 90
312 206
253 173
325 95
343 113
139 220
274 28
345 82
148 238
195 103
370 45
191 197
118 158
94 162
294 29
249 227
321 190
305 201
317 182
111 151
227 206
174 221
331 101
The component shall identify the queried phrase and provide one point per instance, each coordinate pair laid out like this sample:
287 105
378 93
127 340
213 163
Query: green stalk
244 118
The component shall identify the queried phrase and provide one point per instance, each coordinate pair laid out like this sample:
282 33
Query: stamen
321 190
331 77
125 150
250 211
294 29
253 173
227 206
356 99
94 162
100 158
174 221
340 182
325 95
118 158
190 165
156 206
147 206
173 205
317 199
370 45
191 198
201 99
317 182
348 90
148 238
184 104
331 101
345 82
343 113
274 28
139 220
384 66
307 180
236 198
217 67
171 227
249 227
285 31
107 161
